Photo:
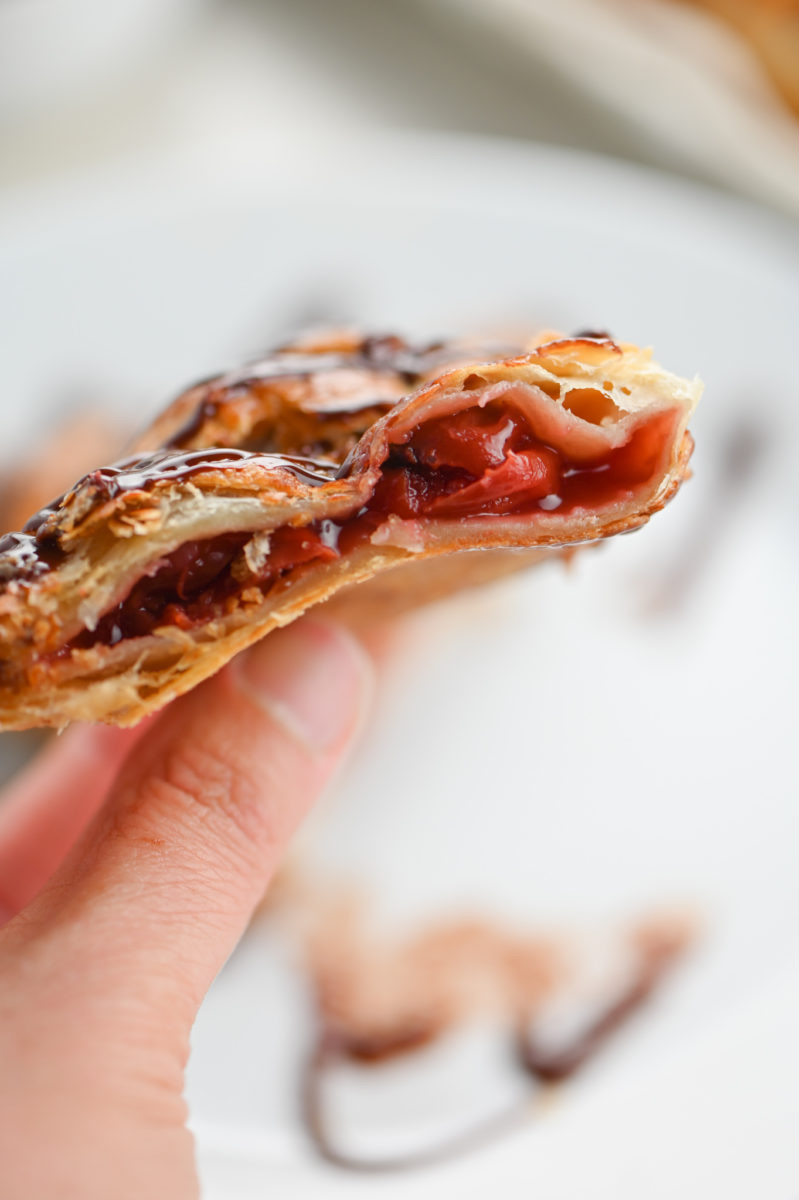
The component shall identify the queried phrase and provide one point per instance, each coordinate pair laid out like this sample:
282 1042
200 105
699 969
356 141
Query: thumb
165 882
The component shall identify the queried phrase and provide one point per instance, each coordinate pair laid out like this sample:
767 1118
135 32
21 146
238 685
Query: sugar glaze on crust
259 494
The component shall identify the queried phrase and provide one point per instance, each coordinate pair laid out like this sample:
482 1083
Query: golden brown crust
313 396
118 526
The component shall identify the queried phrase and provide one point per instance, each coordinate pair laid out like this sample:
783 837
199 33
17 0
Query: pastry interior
478 463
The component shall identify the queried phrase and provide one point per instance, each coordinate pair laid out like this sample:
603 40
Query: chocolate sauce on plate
140 473
543 1064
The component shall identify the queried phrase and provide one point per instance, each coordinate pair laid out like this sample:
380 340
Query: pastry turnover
332 462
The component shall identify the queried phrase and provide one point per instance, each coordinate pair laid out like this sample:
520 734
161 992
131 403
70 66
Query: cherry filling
488 461
476 461
197 583
480 461
485 461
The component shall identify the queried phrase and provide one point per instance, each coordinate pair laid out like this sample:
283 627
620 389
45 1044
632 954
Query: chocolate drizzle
387 353
593 335
390 367
553 1066
657 946
329 1052
140 473
22 556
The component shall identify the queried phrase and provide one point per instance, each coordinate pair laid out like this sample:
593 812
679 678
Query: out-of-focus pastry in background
772 29
708 86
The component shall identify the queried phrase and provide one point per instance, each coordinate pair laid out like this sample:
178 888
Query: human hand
130 864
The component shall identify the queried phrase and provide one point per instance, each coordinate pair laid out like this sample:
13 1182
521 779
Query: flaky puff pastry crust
299 442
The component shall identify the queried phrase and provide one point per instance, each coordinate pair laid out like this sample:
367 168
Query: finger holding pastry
102 971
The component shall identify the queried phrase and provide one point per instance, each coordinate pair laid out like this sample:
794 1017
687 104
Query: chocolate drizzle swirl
329 1052
533 1054
140 473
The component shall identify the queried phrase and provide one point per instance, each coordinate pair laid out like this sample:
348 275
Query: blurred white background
657 81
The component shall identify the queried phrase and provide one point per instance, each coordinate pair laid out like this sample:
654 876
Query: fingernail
314 677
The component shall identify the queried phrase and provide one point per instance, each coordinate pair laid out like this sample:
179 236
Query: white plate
556 749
